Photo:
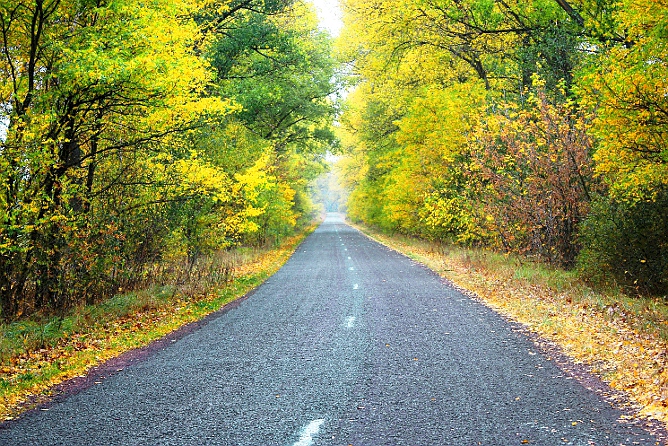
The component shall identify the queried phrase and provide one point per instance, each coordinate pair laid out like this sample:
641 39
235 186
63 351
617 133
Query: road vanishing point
350 343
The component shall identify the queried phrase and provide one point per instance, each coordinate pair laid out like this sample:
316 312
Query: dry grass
624 339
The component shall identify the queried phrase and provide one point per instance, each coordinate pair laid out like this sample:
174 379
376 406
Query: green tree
277 65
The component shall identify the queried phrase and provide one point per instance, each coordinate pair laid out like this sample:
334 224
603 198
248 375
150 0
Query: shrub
627 243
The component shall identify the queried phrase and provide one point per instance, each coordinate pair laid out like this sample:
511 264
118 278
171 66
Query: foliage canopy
499 123
141 133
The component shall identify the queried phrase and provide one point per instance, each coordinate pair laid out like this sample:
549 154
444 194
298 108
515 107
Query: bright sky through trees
329 14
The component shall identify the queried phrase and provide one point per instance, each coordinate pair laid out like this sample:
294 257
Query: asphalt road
349 344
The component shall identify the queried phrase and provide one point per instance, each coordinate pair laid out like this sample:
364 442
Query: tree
272 59
625 83
624 86
89 98
534 172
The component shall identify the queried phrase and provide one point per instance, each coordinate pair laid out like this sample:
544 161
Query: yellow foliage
255 179
629 91
199 177
438 124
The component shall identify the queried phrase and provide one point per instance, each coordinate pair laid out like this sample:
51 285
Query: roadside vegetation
39 352
135 135
622 338
152 158
535 127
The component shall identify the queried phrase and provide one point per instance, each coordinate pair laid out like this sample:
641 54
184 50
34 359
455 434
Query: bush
627 243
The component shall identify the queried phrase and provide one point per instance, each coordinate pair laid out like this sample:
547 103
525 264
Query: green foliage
627 244
279 68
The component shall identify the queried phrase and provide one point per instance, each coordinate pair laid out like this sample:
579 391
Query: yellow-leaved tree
626 86
135 133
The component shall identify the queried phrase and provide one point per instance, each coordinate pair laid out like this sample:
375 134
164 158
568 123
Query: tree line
536 127
134 134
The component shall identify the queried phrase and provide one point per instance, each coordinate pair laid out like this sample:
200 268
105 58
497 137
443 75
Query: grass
624 339
40 352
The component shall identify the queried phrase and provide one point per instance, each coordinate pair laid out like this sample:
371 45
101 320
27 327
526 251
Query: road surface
349 343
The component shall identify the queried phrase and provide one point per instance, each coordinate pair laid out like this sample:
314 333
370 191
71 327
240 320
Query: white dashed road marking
307 433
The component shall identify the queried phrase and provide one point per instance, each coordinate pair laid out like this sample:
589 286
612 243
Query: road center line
350 321
307 433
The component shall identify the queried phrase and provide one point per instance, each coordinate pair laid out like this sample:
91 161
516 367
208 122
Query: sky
329 14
